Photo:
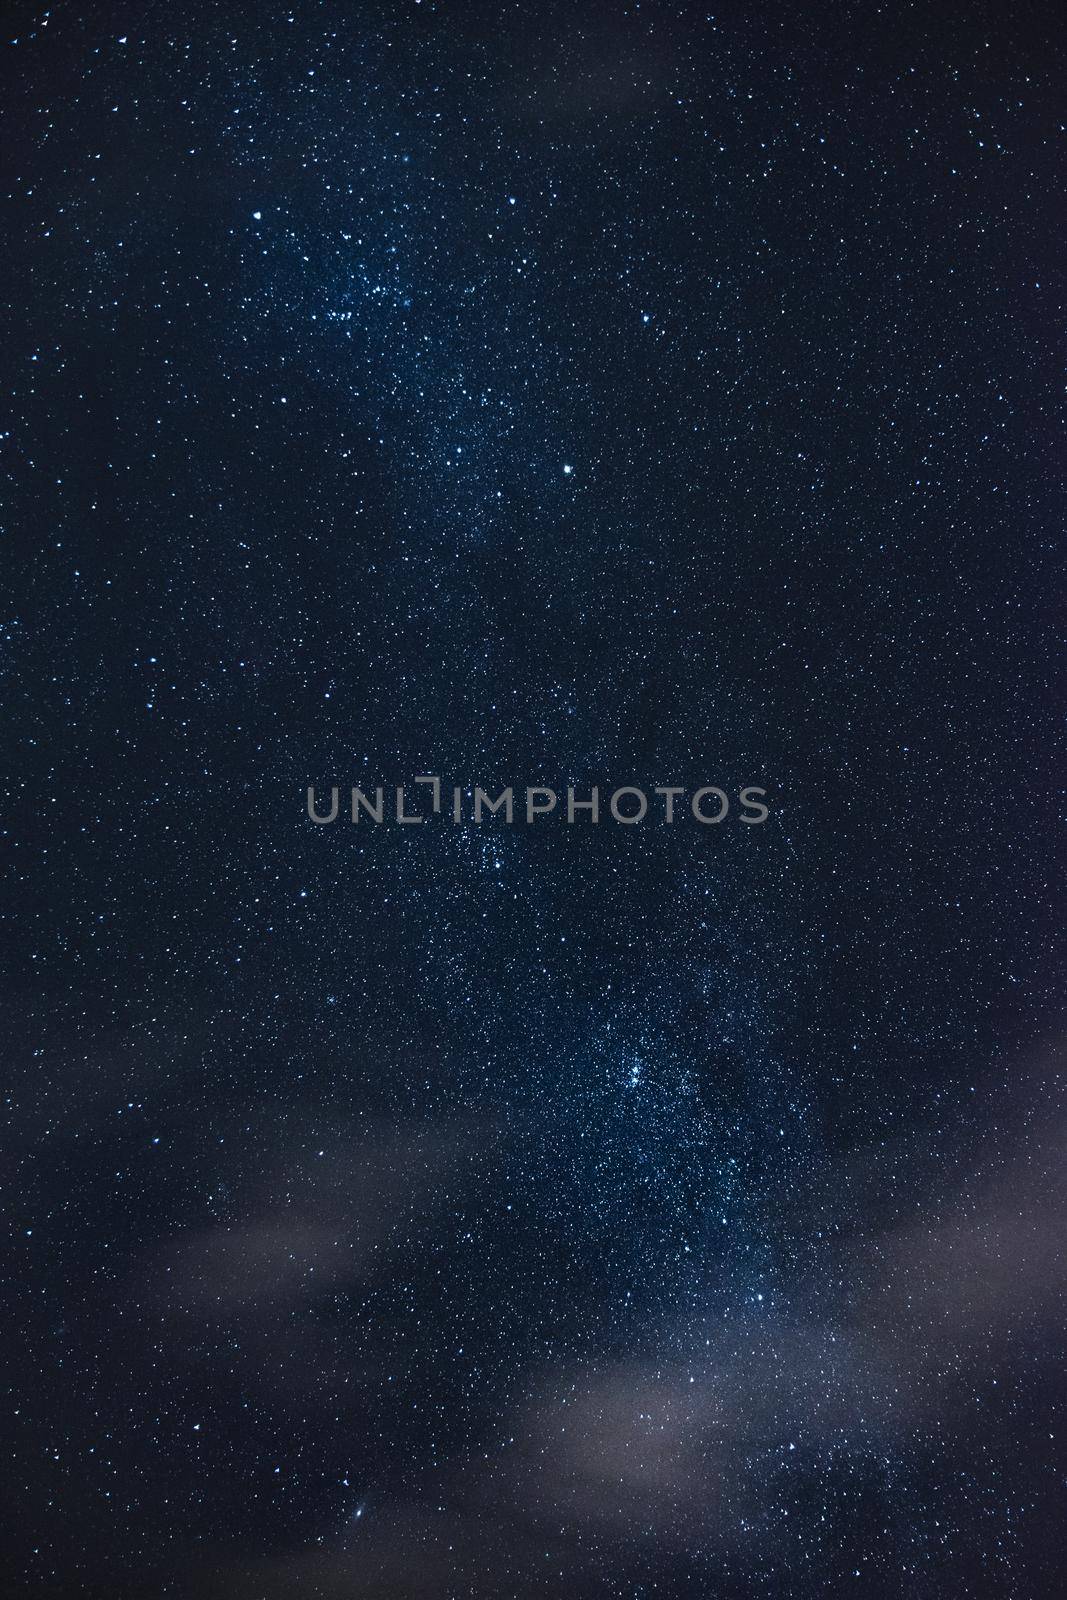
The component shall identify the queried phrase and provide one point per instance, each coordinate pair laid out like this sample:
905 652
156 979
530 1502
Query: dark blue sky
603 394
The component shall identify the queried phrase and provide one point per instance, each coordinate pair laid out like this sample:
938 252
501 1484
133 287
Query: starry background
635 1212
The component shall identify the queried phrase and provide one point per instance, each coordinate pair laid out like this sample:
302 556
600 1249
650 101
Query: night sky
561 394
